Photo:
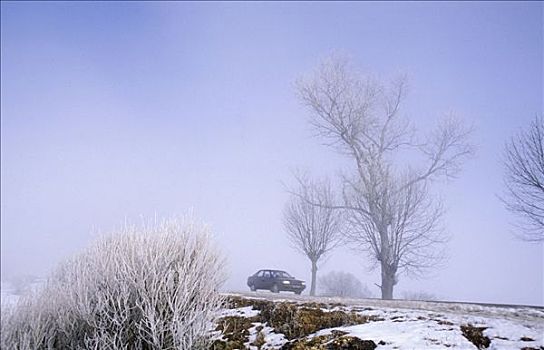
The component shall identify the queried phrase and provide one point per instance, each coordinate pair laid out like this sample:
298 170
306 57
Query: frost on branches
153 286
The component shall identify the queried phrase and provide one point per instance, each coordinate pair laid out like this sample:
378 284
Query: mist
117 111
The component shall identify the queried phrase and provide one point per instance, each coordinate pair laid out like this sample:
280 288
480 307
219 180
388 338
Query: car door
258 280
267 280
273 278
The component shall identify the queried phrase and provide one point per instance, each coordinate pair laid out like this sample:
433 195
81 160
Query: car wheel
275 289
252 287
298 293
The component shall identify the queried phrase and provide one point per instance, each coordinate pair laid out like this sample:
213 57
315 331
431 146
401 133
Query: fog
114 111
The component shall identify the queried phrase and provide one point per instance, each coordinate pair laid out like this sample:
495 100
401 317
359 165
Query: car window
267 274
259 274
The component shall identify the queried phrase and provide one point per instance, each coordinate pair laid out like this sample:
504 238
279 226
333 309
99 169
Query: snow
272 340
413 333
7 296
240 312
407 325
407 335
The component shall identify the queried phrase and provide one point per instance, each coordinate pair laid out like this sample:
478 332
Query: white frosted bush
153 286
344 285
419 295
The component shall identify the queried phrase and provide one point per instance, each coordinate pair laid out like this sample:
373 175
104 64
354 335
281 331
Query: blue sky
115 110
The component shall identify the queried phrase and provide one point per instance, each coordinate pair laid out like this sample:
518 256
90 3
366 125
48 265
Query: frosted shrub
419 295
153 286
343 285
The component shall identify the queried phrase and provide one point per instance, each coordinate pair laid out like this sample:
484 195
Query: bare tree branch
312 225
524 180
390 213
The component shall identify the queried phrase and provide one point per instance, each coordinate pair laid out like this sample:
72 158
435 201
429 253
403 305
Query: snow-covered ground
7 295
418 329
400 324
403 324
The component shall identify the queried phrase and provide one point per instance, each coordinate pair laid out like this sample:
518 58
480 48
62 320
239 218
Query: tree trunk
387 287
314 273
388 282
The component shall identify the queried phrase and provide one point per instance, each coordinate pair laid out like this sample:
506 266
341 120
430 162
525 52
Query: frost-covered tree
153 286
313 230
342 284
392 215
419 295
524 180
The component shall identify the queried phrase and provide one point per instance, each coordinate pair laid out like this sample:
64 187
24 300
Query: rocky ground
270 321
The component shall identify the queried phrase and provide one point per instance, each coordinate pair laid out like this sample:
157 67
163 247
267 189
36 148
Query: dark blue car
275 281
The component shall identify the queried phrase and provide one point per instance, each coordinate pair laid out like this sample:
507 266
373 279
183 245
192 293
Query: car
275 281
